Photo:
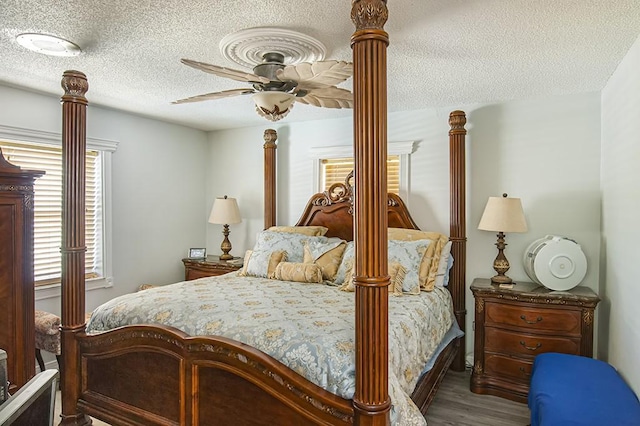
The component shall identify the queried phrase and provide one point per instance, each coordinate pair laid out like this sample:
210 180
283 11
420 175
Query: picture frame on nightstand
197 253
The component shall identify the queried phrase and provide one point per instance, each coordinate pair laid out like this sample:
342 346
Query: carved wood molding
587 317
369 14
127 335
75 86
337 193
17 188
270 136
457 121
542 298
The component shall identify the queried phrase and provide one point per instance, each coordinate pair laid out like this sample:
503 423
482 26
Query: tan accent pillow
277 257
313 231
247 255
298 272
431 260
328 262
396 274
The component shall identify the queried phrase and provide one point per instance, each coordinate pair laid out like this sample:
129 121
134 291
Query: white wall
158 189
620 291
545 151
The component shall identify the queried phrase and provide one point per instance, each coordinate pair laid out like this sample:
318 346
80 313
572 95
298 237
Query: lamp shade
503 214
225 211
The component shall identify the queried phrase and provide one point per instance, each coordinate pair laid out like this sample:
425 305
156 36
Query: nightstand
211 266
512 326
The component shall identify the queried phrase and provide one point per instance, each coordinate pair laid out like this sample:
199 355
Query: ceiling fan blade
226 72
215 95
316 75
328 97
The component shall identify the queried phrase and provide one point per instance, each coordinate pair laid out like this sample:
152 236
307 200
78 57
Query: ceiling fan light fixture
273 106
48 44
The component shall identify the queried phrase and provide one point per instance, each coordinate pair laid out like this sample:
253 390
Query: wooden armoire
16 271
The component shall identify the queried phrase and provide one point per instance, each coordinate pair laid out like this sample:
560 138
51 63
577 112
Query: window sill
54 290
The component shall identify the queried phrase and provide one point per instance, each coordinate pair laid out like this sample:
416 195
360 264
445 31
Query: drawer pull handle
524 372
524 318
531 348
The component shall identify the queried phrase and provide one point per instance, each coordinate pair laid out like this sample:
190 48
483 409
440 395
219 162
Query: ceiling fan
275 86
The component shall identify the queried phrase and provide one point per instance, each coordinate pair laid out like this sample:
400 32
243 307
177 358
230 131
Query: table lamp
502 214
225 212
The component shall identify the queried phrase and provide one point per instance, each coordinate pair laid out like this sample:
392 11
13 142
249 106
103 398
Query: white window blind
335 170
48 208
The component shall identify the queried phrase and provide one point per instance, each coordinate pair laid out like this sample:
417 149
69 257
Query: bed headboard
334 209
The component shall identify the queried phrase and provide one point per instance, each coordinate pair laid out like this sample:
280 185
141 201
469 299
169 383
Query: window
42 151
333 164
335 170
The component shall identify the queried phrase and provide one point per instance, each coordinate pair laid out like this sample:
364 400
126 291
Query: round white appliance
555 262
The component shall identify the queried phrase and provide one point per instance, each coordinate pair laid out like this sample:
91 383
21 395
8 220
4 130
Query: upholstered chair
47 336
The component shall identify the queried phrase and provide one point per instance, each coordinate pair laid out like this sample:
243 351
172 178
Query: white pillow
443 265
446 275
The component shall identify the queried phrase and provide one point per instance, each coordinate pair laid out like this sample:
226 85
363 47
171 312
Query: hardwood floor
456 405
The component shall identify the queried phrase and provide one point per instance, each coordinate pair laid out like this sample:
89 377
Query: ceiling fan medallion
287 67
247 47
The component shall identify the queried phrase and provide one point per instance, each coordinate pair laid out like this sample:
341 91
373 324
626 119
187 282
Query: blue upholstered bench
574 390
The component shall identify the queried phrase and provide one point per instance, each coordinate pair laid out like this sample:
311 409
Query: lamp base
501 264
226 244
501 279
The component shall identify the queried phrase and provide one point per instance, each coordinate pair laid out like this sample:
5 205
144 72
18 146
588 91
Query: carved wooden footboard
156 375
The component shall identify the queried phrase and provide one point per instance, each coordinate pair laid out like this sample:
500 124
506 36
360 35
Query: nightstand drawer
510 342
557 320
209 267
194 274
514 368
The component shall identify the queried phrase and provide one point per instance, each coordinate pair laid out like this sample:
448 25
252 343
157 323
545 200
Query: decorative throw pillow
409 254
431 260
346 263
304 230
298 272
262 263
290 242
396 274
326 253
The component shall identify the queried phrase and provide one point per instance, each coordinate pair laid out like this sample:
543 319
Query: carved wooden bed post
270 147
369 43
458 228
74 118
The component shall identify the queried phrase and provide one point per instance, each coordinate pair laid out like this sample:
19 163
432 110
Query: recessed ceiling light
48 44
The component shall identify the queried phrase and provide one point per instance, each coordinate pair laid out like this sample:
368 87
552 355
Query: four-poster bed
154 374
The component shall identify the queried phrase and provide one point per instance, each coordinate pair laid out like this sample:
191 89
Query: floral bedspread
308 327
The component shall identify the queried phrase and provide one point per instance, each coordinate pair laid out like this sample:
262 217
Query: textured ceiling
441 53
